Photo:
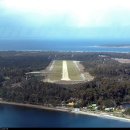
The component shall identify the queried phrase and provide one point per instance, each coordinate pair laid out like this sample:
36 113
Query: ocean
42 45
23 117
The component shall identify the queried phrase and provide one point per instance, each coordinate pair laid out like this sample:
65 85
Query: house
122 110
70 104
76 109
109 109
94 105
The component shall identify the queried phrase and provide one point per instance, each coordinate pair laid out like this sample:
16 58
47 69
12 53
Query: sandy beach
103 115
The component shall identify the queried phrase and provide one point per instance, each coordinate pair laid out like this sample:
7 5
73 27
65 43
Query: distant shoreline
64 109
72 51
114 46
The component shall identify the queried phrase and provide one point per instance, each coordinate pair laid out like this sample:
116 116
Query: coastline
103 115
64 109
36 106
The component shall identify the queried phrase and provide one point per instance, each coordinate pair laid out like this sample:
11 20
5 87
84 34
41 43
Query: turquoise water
19 117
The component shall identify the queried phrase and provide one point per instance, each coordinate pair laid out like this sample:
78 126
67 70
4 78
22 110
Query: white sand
103 115
65 75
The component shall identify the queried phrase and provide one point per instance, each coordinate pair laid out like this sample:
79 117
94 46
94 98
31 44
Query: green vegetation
127 111
56 73
111 86
73 72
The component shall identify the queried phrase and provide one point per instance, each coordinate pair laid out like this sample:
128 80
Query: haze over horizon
65 19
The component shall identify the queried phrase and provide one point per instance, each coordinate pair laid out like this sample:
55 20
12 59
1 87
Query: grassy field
63 71
74 73
56 72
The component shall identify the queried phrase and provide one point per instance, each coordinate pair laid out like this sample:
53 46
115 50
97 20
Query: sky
65 19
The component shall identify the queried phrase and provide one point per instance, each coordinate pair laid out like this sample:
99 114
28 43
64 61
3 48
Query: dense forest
111 85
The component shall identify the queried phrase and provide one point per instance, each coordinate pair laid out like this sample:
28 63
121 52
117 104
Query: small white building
109 109
76 109
94 105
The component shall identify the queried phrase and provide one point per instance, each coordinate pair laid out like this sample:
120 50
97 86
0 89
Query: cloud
64 17
78 13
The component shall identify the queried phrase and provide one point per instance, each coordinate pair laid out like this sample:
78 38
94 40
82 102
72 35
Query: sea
24 117
65 46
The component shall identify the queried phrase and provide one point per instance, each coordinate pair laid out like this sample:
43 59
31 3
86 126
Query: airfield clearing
67 72
55 72
74 73
64 72
121 60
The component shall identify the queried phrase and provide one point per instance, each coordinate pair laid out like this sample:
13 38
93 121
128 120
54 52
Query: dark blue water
14 116
88 46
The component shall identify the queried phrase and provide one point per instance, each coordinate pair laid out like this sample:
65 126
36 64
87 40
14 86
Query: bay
23 117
